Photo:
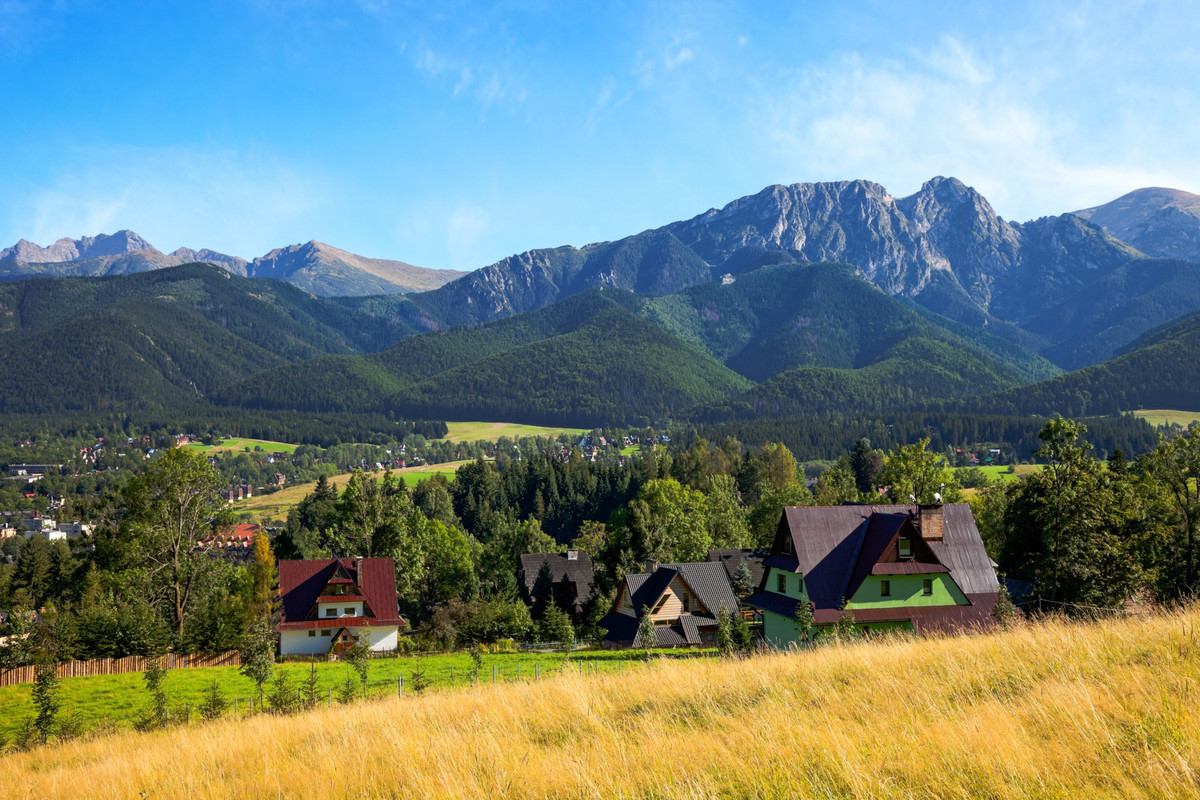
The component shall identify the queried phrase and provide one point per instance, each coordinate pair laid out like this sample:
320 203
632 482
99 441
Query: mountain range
316 267
799 300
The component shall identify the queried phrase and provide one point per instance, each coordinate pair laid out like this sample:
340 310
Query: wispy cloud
242 203
953 111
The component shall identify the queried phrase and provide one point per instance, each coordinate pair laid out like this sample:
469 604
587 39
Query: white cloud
991 121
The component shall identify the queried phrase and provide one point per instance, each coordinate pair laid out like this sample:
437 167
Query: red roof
301 583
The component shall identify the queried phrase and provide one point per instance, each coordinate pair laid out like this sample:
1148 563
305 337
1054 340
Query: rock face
944 246
1163 223
119 243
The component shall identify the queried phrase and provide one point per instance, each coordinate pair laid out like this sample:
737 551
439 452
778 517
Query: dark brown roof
836 547
302 582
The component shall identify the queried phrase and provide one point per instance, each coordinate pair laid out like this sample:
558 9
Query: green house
918 568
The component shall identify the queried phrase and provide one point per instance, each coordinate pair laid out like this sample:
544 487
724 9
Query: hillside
1159 370
1055 709
329 272
1164 223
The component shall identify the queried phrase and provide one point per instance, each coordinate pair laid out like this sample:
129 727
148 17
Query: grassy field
240 445
1166 416
277 504
1053 710
1002 473
491 431
118 700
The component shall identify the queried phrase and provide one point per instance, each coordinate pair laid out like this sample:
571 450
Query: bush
215 703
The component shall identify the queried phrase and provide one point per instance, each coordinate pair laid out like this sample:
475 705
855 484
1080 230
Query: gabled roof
836 547
707 580
301 583
733 558
578 570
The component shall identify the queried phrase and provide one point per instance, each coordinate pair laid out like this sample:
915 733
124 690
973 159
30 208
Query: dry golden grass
1055 710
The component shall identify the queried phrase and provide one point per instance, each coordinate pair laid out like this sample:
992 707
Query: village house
327 603
684 600
235 542
893 567
571 574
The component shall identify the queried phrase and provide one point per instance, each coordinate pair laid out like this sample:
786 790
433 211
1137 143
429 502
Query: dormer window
786 546
905 547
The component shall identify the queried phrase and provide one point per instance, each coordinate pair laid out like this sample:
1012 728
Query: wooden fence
116 666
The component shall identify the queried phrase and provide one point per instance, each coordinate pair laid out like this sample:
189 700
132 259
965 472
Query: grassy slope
1167 416
1054 710
491 431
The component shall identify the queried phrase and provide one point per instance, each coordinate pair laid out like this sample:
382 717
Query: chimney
572 555
358 576
930 522
651 564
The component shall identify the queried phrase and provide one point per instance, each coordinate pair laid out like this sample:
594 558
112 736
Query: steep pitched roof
836 547
578 570
734 558
301 583
709 583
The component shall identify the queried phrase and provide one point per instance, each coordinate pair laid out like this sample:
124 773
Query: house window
786 547
331 612
662 601
311 634
781 582
927 587
905 548
348 611
885 588
687 601
326 633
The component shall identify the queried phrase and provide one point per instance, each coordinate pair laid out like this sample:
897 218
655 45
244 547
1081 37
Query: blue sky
454 134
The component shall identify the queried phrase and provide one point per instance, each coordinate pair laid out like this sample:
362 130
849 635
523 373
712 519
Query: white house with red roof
328 602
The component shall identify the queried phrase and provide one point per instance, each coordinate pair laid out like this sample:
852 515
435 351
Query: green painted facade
907 591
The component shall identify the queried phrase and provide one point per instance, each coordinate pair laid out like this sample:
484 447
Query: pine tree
742 582
158 711
45 699
258 654
803 620
215 703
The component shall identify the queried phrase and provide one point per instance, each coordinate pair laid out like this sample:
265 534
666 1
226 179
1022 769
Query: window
905 548
311 634
326 633
885 588
662 601
786 546
331 612
781 582
687 601
348 611
927 587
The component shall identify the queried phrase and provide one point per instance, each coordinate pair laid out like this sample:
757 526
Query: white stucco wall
381 639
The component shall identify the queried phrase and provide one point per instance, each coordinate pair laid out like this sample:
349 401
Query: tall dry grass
1054 710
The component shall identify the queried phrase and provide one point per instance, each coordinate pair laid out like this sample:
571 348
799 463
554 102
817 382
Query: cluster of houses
31 523
889 567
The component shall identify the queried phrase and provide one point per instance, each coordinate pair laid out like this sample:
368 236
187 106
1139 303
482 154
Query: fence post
331 697
493 674
452 673
187 708
400 686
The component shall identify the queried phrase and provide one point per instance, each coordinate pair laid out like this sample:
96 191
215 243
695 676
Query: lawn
277 504
491 431
240 445
118 700
1167 416
1001 473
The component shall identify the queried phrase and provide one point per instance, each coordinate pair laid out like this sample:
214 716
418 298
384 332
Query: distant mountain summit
119 243
315 267
328 272
1164 223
